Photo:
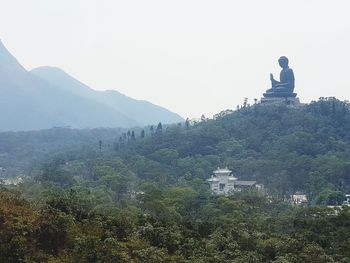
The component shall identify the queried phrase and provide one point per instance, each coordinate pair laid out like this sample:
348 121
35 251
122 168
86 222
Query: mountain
142 111
30 102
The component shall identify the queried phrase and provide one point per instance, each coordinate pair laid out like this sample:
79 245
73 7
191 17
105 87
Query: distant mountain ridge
143 112
46 97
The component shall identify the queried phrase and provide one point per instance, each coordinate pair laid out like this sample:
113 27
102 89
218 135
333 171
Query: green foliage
146 199
171 225
330 197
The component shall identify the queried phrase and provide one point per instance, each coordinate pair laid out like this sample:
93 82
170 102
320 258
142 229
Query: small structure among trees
223 182
347 200
299 199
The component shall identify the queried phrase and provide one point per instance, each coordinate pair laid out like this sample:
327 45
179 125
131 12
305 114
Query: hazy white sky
190 56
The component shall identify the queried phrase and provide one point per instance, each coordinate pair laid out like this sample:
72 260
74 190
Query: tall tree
159 129
100 145
187 123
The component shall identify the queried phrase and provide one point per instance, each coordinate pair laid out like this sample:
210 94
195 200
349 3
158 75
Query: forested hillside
286 148
142 195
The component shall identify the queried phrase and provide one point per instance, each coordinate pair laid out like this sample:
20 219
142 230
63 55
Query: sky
193 57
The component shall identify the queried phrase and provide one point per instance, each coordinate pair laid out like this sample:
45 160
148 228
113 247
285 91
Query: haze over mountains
47 96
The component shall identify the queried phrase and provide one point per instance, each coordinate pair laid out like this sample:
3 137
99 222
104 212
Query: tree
330 197
100 145
187 123
159 129
118 183
245 103
143 134
129 135
165 155
55 174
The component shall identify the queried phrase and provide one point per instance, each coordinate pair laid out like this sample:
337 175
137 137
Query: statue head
283 61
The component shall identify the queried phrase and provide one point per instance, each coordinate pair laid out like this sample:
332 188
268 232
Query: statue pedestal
281 100
280 95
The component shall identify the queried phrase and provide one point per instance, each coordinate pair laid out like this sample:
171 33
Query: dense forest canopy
141 195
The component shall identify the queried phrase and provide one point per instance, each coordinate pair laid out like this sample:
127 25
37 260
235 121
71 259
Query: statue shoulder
289 71
290 74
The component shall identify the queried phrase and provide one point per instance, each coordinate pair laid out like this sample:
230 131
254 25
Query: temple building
223 182
299 199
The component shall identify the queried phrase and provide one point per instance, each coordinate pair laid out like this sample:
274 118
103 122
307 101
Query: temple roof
222 170
245 183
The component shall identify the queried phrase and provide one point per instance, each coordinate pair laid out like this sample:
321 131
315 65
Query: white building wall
222 182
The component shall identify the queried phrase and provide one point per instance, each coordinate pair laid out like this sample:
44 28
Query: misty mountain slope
142 111
29 102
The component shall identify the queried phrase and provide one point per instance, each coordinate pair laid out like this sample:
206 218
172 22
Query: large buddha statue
284 87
